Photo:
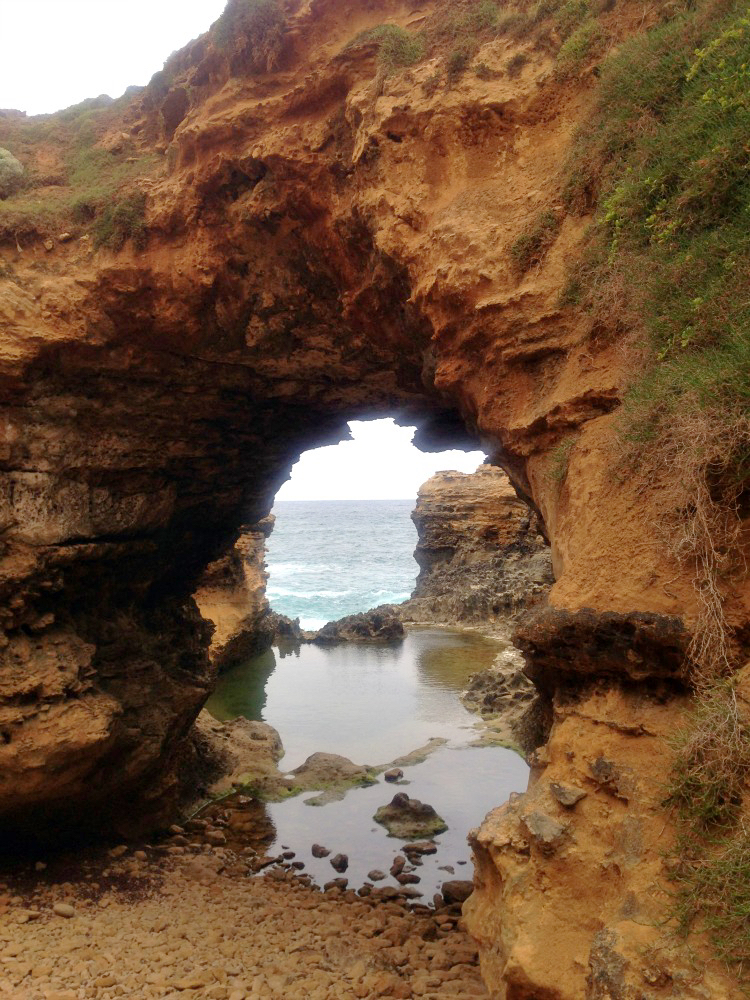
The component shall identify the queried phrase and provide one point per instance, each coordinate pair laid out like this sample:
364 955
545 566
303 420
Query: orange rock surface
325 242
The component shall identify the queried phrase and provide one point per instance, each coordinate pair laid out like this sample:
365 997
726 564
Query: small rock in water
340 862
420 847
319 852
395 774
398 865
409 819
404 878
376 875
336 883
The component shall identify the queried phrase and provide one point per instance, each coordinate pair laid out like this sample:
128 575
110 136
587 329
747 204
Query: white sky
59 52
380 463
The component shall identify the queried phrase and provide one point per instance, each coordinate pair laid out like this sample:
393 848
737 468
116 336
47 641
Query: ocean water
330 558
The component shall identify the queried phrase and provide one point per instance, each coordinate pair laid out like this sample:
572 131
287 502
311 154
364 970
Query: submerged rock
409 819
379 625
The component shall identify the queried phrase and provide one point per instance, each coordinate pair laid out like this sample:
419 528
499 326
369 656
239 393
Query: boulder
457 890
379 625
409 819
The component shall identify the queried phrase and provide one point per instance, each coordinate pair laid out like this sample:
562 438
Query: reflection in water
447 658
248 821
372 704
242 691
368 702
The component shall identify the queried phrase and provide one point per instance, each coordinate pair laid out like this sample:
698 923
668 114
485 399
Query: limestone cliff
232 595
480 551
303 234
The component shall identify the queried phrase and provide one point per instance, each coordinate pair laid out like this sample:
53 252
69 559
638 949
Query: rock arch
301 268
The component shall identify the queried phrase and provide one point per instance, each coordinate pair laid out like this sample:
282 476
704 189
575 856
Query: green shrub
570 16
255 27
516 23
120 222
483 16
585 42
458 62
477 19
559 458
11 173
397 47
531 246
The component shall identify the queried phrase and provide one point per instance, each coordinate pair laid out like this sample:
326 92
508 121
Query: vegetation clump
531 246
516 63
586 41
254 29
11 173
397 47
710 864
122 221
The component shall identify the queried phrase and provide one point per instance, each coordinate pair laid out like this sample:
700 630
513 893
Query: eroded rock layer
322 240
232 595
480 552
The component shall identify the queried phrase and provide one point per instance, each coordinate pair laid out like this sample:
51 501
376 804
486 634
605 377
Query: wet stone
409 819
457 890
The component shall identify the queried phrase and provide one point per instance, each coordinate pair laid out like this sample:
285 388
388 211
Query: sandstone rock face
480 551
232 595
577 862
322 242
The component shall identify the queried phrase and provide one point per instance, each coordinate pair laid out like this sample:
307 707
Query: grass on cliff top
664 165
92 189
666 162
456 31
253 31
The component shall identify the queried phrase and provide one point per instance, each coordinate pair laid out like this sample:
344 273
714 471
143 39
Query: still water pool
372 704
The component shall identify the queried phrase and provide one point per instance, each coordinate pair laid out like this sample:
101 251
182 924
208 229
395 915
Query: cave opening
389 695
343 537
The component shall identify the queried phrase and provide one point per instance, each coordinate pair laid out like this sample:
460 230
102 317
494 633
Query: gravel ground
194 919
